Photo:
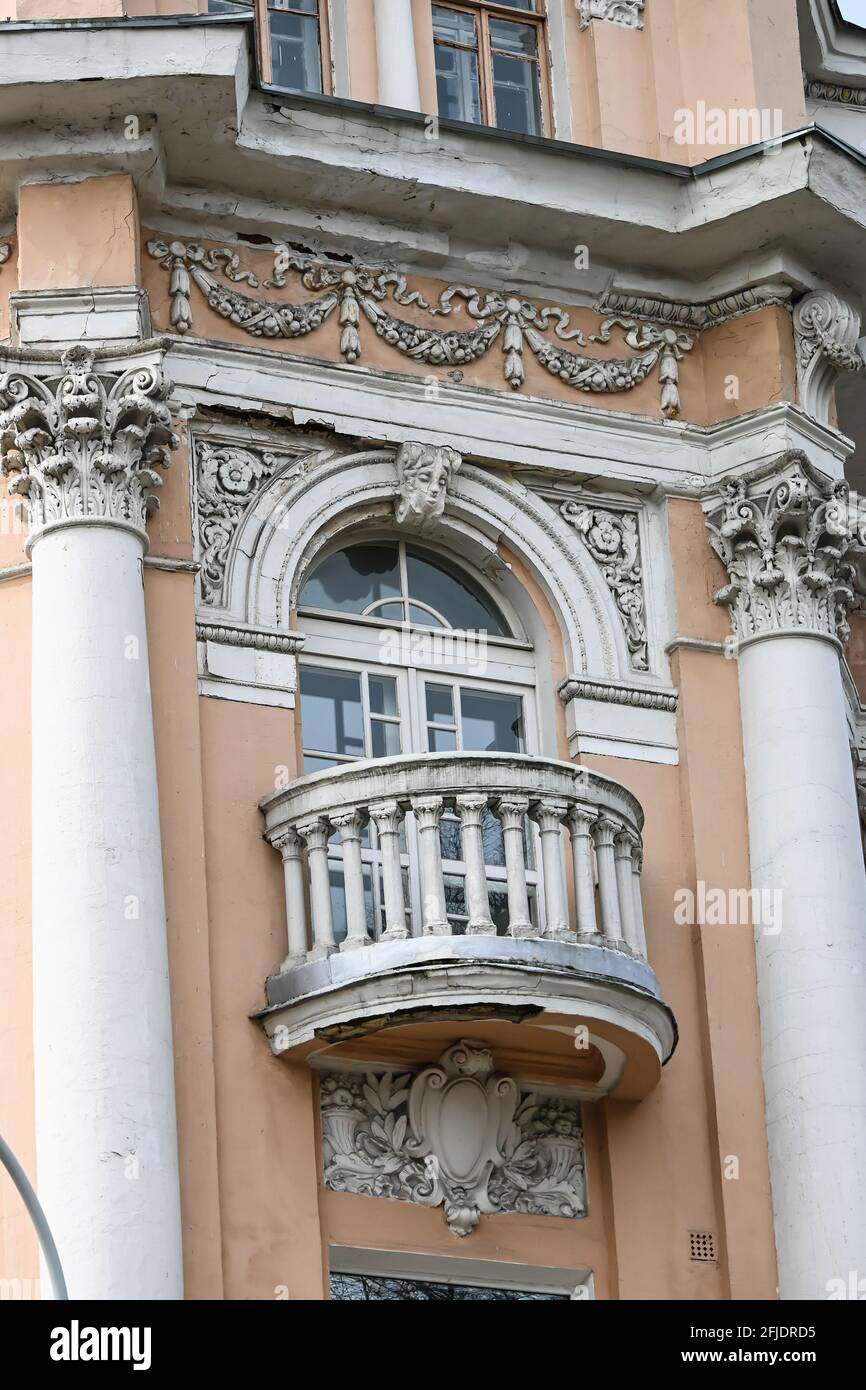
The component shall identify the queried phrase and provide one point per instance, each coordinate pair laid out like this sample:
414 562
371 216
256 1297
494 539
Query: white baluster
604 830
387 817
512 813
350 825
548 816
580 826
316 833
290 847
471 811
428 813
636 866
625 892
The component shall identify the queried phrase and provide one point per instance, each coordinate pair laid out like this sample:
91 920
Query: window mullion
485 70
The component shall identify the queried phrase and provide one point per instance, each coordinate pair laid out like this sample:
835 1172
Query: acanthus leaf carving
228 478
358 294
612 539
790 543
826 330
457 1135
84 441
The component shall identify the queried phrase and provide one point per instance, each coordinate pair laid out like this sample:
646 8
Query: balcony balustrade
517 876
600 821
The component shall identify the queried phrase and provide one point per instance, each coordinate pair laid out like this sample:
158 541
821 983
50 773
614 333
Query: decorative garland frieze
360 294
458 1135
613 540
697 317
626 12
82 442
790 541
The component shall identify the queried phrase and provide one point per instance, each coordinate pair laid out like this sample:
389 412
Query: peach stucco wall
100 244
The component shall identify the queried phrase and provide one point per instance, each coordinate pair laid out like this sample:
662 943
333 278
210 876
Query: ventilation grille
702 1246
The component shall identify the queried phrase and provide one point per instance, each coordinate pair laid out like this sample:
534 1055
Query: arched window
408 653
396 582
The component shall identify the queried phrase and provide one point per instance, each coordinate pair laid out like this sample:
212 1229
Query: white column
604 830
625 891
387 816
350 825
808 880
106 1143
579 824
471 811
428 813
548 816
807 857
316 833
291 848
395 55
512 817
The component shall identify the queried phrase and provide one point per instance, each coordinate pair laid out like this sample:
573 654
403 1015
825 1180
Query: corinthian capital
826 331
82 443
789 540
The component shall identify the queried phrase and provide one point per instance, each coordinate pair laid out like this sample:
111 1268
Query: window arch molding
316 499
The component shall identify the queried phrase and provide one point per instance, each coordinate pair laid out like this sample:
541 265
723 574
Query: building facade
433 647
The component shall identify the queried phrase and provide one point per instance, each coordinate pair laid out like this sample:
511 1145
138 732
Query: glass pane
331 715
498 898
295 58
457 89
449 838
455 904
312 764
462 606
519 4
491 838
350 580
393 612
514 38
386 739
440 703
441 741
454 26
491 722
517 95
338 899
307 6
383 695
422 617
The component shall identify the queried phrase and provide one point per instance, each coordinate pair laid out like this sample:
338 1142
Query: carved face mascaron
424 472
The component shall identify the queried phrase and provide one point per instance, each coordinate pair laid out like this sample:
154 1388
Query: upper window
489 68
394 582
291 42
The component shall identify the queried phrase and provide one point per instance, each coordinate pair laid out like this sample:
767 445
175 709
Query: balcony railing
547 813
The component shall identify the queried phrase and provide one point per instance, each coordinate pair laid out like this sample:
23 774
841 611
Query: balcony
507 895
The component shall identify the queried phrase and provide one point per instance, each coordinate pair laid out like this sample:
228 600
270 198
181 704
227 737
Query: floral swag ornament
791 546
457 1136
355 295
85 443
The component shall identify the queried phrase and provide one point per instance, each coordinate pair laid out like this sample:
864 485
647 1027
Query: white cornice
574 440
